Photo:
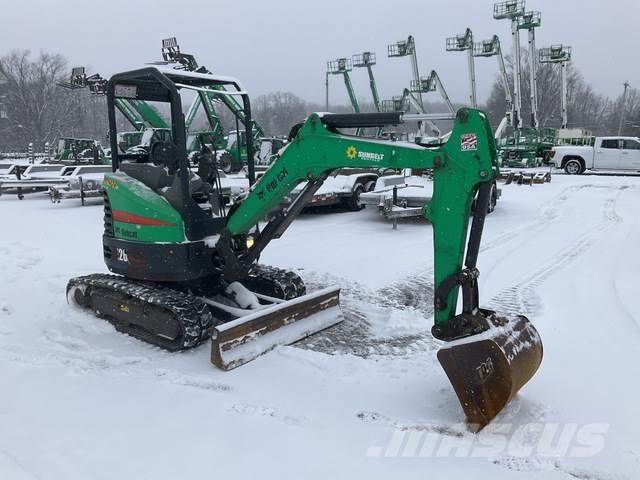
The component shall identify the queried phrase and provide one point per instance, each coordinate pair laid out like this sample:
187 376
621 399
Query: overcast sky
284 44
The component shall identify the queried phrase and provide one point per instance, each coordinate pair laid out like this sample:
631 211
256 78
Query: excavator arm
460 166
488 356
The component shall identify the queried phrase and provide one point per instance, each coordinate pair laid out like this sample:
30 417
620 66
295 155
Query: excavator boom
488 356
467 160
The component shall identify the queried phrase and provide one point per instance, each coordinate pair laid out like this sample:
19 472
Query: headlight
250 241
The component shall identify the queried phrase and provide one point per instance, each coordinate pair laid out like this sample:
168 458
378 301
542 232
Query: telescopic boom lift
559 54
407 48
368 60
342 66
138 113
530 21
513 10
460 43
491 48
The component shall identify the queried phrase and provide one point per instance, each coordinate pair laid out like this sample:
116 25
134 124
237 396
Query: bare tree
631 125
37 109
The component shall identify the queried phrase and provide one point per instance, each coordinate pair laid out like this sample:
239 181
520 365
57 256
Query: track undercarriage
176 316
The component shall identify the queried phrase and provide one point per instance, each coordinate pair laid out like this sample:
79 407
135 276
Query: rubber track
289 282
192 315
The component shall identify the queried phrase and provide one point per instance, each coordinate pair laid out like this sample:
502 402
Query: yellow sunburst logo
351 152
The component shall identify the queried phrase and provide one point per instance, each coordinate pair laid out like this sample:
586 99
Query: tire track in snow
522 298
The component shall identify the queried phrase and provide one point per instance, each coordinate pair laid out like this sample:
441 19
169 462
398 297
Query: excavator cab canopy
163 165
164 84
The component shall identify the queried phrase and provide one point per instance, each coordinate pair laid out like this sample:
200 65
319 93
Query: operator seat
161 174
154 177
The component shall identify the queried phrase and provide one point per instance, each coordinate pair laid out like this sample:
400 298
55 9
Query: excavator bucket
486 370
243 339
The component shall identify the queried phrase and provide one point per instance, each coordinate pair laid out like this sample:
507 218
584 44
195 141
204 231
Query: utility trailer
529 177
344 187
8 170
28 179
400 196
43 177
83 182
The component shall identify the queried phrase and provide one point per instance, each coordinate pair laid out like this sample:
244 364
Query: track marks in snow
548 213
365 331
15 255
265 412
201 382
457 430
52 347
536 464
364 307
522 297
12 469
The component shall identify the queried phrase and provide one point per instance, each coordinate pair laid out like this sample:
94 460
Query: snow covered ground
366 399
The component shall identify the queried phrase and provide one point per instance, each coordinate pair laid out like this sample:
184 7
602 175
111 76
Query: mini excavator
184 261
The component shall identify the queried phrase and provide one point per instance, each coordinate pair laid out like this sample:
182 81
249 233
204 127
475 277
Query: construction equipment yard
318 268
78 395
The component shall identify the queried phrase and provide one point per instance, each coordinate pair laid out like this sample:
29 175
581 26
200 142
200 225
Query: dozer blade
487 369
243 339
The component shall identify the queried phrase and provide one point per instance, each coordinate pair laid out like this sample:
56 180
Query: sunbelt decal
352 152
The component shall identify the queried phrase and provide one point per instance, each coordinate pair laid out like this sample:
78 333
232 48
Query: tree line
585 107
35 108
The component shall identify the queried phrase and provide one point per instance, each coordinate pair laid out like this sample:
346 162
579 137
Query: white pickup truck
606 153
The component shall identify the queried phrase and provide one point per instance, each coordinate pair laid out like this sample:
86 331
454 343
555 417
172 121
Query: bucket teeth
486 370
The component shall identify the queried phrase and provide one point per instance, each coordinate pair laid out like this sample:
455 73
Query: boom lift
491 48
171 54
407 48
524 146
342 66
138 113
368 60
408 100
187 272
235 142
559 54
460 43
142 117
432 83
513 10
530 21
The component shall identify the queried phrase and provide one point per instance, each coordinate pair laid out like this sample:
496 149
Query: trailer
83 182
404 196
7 170
44 177
344 187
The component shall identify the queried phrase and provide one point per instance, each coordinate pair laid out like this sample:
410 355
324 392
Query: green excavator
185 263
